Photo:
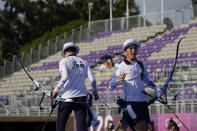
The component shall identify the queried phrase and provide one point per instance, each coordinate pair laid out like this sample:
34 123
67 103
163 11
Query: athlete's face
68 53
131 52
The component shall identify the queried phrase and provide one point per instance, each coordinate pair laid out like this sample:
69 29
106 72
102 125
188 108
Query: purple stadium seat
189 93
143 52
4 99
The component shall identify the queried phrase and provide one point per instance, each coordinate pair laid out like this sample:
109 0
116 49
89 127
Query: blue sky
155 5
1 4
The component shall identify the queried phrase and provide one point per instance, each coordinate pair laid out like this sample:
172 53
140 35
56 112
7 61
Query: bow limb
165 87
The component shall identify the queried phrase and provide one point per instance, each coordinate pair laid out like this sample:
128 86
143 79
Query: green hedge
57 31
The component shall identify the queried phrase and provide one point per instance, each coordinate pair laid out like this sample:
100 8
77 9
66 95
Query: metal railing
27 103
18 108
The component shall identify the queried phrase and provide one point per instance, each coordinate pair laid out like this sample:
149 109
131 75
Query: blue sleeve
114 83
94 85
91 78
147 80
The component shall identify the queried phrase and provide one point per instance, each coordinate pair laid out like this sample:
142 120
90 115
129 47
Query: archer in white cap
74 70
133 74
69 45
129 42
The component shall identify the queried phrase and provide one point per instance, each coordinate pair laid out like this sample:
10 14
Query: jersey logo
78 65
75 64
81 64
141 66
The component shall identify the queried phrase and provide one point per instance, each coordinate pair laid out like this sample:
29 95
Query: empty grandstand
18 98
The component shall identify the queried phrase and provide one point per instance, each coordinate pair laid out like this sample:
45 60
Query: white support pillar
161 11
110 5
90 4
144 3
127 13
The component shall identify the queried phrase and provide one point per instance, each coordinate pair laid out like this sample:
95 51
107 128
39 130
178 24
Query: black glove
96 97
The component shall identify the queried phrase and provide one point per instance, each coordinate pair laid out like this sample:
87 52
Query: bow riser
165 87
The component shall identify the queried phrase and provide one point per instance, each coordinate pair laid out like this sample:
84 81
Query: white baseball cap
68 45
129 42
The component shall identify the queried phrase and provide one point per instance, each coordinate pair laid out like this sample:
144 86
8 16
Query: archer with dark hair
133 75
172 125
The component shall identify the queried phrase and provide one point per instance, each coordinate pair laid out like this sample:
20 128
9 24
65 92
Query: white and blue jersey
133 85
74 70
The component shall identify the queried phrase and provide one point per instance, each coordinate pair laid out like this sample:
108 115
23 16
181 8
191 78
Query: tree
82 7
194 4
10 28
100 8
119 8
24 20
168 23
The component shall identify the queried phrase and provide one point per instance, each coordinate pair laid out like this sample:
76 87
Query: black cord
43 95
53 107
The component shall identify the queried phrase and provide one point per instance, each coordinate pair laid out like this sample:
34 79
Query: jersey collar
128 62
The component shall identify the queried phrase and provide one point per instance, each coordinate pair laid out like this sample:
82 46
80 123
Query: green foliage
82 7
100 10
169 23
24 22
119 8
194 5
57 31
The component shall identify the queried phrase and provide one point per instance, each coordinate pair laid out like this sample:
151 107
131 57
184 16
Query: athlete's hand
96 97
52 95
159 90
121 77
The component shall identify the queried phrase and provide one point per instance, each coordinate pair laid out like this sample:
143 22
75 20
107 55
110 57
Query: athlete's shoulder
140 63
63 61
78 57
122 64
81 59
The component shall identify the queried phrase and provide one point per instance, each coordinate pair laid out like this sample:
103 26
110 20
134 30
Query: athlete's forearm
114 83
150 84
60 84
